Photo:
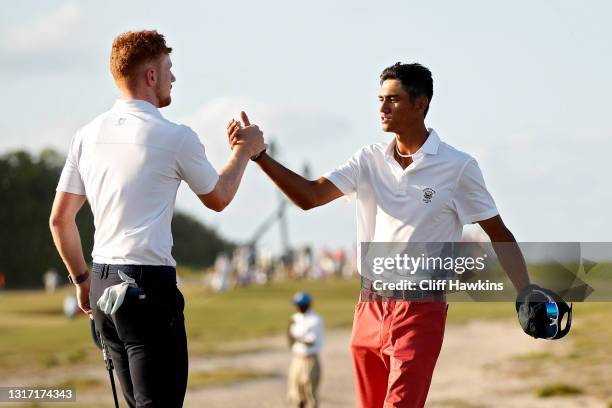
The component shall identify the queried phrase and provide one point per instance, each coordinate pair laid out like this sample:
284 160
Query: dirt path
476 369
473 371
336 387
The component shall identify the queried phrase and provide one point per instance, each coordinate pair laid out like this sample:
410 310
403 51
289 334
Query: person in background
51 280
305 334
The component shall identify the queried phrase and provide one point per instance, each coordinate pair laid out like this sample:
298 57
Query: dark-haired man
413 188
128 164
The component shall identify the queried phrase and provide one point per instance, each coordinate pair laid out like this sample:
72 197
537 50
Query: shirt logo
121 121
428 194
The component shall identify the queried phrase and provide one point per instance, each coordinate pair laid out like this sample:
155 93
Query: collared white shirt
129 162
307 328
429 201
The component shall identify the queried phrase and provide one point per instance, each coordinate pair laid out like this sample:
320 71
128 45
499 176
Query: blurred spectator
223 268
303 262
71 307
305 333
51 280
340 258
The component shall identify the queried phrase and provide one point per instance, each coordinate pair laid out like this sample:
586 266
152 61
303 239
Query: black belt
138 272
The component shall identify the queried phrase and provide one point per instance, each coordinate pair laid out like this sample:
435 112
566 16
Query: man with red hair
128 164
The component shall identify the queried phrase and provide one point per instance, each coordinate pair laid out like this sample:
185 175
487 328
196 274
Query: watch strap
80 278
258 155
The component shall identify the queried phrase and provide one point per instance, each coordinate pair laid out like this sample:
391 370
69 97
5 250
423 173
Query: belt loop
105 271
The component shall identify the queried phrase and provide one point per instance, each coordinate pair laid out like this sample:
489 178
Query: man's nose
384 107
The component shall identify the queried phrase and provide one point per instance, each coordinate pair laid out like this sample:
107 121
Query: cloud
51 31
303 134
300 133
56 135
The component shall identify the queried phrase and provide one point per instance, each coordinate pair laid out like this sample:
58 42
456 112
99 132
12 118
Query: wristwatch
79 279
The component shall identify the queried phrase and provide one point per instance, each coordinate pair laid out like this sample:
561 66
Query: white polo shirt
129 162
429 201
307 328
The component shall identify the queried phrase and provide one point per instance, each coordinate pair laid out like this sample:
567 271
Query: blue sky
522 86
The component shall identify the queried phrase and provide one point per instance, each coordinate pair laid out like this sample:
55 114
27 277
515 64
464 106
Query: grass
35 333
582 360
535 356
199 379
78 383
224 376
36 336
248 313
558 390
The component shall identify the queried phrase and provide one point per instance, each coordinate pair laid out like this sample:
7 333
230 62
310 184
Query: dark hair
415 78
133 49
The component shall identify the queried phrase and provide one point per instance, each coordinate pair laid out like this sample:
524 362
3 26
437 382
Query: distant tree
27 189
194 243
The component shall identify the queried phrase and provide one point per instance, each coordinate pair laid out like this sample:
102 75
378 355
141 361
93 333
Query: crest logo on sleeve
428 194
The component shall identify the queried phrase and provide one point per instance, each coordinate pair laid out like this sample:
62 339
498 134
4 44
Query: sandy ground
475 369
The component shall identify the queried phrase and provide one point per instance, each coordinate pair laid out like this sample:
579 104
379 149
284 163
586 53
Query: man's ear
151 76
422 103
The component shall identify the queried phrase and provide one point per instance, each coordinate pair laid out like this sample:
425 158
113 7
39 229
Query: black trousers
146 336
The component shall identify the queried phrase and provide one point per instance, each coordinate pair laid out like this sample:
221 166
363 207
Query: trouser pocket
143 319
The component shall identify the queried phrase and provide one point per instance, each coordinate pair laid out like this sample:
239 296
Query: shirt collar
429 147
136 105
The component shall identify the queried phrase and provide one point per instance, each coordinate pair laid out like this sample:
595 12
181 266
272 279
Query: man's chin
165 102
386 127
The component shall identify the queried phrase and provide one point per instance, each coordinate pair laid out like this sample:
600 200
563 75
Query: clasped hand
247 138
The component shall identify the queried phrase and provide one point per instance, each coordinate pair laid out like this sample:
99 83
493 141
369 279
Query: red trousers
395 346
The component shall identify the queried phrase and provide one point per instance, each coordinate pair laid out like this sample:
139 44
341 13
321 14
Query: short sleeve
346 176
193 165
70 180
471 199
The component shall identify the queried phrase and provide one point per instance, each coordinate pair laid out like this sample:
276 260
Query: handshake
246 139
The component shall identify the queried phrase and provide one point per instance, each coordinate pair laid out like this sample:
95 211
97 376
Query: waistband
369 294
138 272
